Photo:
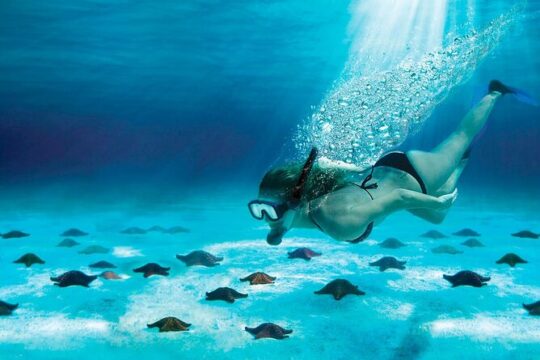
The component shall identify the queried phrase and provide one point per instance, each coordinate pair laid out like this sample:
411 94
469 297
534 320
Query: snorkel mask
276 211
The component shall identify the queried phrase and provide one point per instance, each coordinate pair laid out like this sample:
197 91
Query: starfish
466 232
269 330
152 269
29 260
511 259
74 232
391 243
170 324
388 262
339 288
67 243
303 253
14 234
7 309
446 249
533 309
467 277
258 278
73 277
472 243
224 293
199 257
433 234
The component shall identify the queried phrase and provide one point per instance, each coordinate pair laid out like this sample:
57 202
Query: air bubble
393 103
326 127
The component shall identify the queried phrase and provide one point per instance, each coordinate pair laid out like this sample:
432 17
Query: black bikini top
369 228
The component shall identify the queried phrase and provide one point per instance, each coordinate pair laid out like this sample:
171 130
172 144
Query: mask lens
259 209
256 211
270 212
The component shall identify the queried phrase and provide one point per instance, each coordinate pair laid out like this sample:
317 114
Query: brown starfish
152 269
226 294
526 234
533 309
339 288
6 308
259 278
29 260
72 278
170 324
199 257
303 253
511 259
268 330
110 275
467 277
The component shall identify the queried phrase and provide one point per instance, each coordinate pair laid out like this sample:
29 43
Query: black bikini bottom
399 160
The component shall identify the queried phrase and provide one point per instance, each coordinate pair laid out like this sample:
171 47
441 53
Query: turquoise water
140 113
406 314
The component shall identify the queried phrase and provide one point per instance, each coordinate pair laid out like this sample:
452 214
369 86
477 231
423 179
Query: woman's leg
437 166
437 216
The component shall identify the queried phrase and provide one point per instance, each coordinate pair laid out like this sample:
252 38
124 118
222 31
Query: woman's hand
448 199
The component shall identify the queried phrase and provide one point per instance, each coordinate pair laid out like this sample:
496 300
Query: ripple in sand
126 252
488 327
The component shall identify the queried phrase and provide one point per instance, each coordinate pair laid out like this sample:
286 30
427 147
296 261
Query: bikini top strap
369 177
311 217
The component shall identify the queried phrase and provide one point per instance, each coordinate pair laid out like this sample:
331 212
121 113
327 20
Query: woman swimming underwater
346 203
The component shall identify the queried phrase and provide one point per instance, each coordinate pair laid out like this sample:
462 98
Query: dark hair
278 182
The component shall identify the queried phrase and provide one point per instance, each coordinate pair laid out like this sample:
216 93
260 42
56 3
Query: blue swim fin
496 85
523 96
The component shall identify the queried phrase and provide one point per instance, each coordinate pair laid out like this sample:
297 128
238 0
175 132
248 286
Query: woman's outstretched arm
407 199
343 217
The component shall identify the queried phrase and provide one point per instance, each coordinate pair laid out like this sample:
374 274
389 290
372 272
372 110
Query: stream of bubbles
364 116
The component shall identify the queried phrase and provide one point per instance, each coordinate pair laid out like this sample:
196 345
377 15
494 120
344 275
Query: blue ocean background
138 113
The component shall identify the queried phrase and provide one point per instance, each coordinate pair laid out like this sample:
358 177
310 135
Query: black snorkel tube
298 189
275 235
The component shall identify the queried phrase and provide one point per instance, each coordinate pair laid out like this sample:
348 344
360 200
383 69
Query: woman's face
280 227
